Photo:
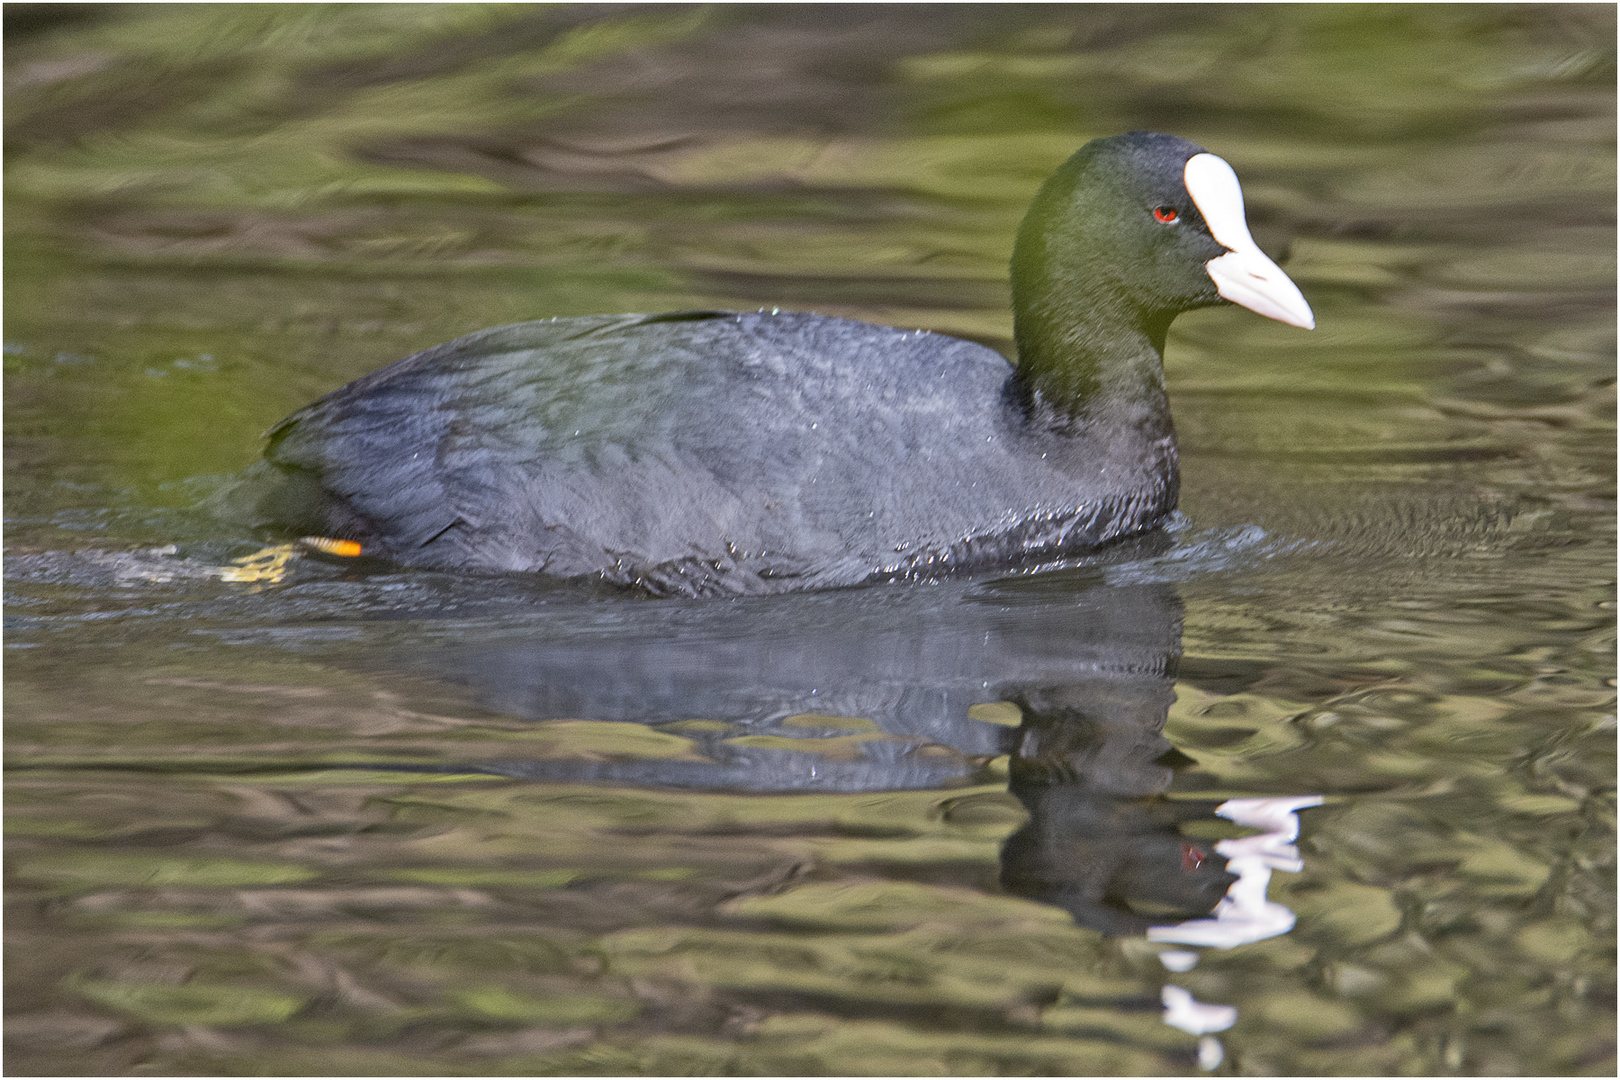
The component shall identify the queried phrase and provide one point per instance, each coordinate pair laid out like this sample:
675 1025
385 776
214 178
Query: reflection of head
1089 765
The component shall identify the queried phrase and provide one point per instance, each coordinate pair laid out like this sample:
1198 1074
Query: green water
364 822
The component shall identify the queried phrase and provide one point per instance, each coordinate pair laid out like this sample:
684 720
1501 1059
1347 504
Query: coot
717 452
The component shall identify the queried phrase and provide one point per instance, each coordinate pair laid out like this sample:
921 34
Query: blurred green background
218 212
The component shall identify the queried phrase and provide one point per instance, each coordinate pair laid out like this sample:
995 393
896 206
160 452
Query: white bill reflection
1243 916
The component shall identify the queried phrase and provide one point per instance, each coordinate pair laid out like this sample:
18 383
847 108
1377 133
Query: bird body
710 452
723 452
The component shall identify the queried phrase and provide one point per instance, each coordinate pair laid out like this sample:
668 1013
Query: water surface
362 821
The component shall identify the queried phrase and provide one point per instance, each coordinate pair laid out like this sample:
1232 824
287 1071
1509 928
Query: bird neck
1087 362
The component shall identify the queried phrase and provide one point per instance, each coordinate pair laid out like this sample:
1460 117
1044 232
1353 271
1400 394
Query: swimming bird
719 452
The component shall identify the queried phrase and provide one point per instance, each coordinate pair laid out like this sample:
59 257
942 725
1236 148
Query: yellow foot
270 564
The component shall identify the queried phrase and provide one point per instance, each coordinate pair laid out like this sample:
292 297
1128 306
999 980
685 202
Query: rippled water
362 821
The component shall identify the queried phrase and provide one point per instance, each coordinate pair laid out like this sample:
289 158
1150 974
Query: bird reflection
1089 664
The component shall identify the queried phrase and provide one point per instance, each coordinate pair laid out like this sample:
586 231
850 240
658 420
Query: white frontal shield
1244 275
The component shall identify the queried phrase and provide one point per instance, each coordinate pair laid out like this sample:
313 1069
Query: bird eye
1166 214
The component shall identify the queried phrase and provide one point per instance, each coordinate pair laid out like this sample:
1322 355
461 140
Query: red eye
1166 214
